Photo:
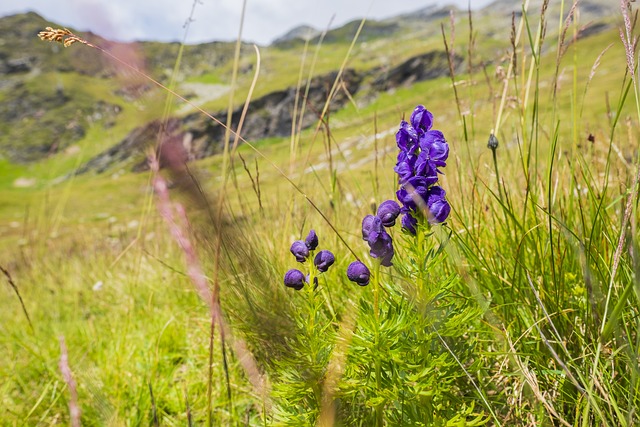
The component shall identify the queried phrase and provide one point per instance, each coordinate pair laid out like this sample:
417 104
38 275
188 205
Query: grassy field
522 308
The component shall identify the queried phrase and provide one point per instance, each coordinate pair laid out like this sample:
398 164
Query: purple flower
407 138
382 247
421 119
300 250
435 147
323 260
409 223
388 211
414 190
359 273
312 240
367 222
294 279
437 205
426 168
370 224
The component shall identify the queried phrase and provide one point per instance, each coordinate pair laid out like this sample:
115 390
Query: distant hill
53 98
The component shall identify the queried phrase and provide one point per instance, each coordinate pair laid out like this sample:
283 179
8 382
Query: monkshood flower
294 279
359 273
421 119
422 152
323 260
368 222
380 243
299 250
437 204
381 247
435 147
374 233
388 211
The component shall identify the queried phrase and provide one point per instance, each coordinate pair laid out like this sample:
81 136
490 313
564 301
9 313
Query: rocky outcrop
195 136
430 65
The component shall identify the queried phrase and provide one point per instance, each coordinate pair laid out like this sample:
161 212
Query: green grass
508 314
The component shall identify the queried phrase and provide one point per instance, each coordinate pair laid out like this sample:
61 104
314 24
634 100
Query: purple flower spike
438 205
323 260
409 223
421 119
359 273
312 240
294 279
300 250
388 211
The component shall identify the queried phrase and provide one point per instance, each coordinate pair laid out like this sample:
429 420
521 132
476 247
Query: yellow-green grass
146 325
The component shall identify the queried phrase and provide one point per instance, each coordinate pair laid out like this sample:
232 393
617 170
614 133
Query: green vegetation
522 309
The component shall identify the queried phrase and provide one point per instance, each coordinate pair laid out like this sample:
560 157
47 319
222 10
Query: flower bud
312 240
300 250
294 279
359 273
323 260
388 211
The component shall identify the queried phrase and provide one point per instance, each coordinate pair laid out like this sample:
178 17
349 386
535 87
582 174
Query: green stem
378 362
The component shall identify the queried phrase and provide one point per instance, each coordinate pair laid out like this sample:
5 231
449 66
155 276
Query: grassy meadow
521 309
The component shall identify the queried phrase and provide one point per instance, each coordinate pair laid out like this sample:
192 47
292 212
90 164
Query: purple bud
294 279
323 260
388 211
312 240
300 250
438 205
359 273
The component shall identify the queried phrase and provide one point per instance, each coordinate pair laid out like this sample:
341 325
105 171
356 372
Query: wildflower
435 146
388 211
367 224
437 205
421 119
323 260
381 247
294 279
418 168
359 273
300 250
415 191
312 240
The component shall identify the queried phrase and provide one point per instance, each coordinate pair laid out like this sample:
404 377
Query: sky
164 20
